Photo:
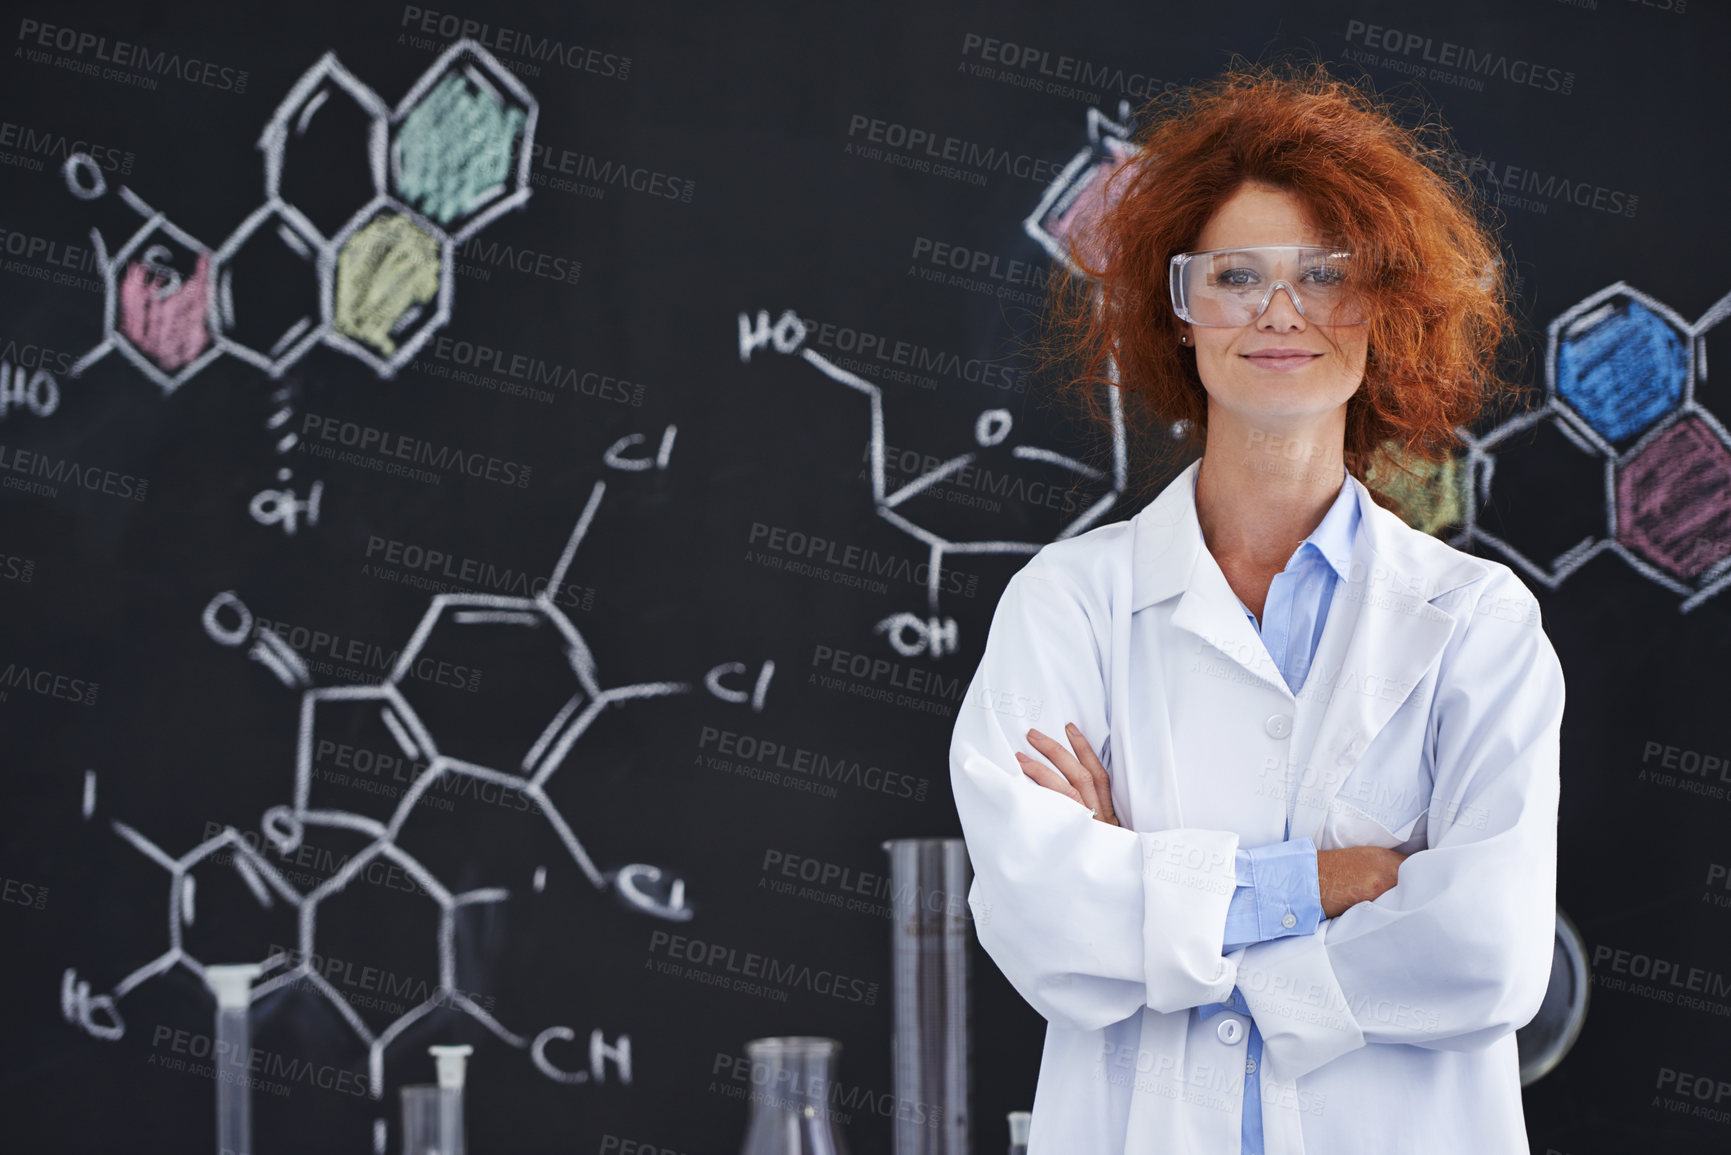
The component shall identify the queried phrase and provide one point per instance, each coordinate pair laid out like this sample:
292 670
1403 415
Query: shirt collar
1333 535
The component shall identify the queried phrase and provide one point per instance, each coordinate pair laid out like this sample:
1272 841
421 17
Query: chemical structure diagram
1623 414
1073 198
451 622
361 263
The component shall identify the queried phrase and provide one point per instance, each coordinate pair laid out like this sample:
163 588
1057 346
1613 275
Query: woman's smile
1280 359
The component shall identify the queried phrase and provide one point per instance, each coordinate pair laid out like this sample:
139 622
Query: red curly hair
1428 270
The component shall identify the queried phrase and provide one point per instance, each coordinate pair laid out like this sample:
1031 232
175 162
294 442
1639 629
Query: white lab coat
1429 723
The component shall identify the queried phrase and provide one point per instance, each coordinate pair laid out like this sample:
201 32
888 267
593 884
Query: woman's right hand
1354 875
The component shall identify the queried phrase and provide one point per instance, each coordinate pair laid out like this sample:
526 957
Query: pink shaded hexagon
164 317
1674 500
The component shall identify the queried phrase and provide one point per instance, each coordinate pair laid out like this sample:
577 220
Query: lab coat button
1230 1031
1278 725
1289 920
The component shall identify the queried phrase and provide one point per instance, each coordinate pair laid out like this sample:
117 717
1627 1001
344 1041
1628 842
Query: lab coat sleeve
1458 953
1089 922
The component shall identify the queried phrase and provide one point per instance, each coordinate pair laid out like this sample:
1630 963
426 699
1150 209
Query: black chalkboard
499 386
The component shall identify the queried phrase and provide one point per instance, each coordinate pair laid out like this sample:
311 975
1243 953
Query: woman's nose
1288 311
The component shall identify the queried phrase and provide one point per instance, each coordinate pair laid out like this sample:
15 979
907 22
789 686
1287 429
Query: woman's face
1265 392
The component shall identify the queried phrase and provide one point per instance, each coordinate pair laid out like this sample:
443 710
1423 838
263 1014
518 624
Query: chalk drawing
459 146
1072 198
388 271
1078 195
374 255
545 748
911 634
1622 370
32 390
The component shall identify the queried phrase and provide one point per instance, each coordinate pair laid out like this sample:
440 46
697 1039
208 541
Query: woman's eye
1326 275
1234 277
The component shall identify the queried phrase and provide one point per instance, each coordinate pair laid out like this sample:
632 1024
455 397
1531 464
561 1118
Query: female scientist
1278 864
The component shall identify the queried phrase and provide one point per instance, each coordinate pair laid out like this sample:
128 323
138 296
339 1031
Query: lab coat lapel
1382 635
1382 632
1172 558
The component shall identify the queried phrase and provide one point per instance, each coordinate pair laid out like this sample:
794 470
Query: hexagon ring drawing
460 141
265 305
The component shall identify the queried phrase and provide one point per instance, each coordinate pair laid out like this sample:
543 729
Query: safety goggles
1231 287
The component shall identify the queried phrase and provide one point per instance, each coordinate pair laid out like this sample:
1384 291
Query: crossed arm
1344 878
1091 921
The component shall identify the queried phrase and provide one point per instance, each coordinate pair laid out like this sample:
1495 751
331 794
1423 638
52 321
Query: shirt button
1250 1066
1289 920
1230 1031
1278 725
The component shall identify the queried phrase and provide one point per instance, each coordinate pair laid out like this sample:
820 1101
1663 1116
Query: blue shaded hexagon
1621 362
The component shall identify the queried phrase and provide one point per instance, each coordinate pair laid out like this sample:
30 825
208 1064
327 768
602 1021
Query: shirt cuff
1277 894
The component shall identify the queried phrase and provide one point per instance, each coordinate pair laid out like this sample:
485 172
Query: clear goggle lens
1232 287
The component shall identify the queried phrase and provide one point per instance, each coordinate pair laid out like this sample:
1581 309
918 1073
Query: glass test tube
930 1051
1020 1121
452 1062
420 1119
233 1054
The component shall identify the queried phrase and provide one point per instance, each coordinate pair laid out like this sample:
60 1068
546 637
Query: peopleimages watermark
41 475
1690 771
933 148
885 680
17 569
51 262
514 42
858 891
1662 980
417 565
366 658
1510 181
259 1069
612 1144
887 359
47 684
1025 66
388 448
765 756
528 370
784 1087
750 969
810 548
479 256
970 484
446 571
571 170
28 147
30 894
382 989
125 61
1696 1092
1458 64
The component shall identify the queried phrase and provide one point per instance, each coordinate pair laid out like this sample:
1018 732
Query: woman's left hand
1082 780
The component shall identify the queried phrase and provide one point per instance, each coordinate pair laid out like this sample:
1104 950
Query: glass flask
790 1082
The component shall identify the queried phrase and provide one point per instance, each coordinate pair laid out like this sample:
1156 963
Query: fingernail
1071 726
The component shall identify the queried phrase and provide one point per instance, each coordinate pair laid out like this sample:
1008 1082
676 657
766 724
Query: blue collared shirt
1278 893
